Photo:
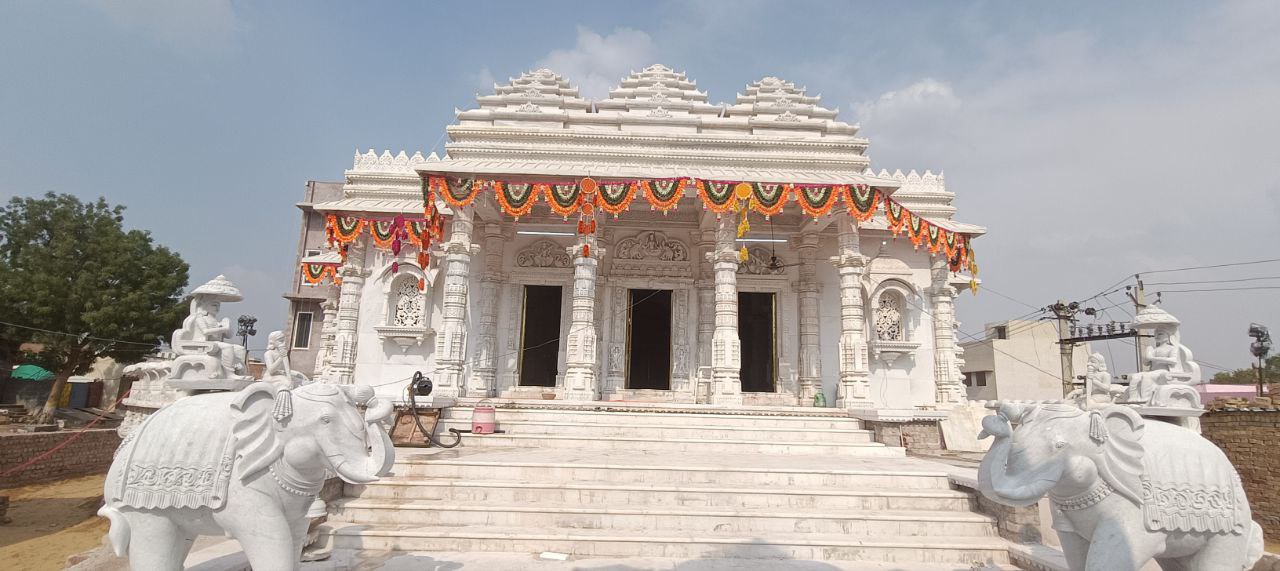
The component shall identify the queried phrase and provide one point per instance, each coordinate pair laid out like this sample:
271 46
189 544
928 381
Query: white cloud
596 63
927 96
190 26
483 81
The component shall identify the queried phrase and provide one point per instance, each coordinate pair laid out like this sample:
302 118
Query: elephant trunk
381 455
1017 490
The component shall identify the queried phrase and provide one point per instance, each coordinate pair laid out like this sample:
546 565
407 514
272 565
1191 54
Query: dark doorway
540 339
649 340
755 330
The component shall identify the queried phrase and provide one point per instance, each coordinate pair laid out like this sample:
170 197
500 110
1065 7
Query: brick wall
1250 439
916 435
90 453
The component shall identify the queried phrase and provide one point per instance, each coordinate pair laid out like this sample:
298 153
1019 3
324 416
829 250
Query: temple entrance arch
649 339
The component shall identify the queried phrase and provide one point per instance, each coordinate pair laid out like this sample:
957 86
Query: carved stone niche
757 263
651 254
543 254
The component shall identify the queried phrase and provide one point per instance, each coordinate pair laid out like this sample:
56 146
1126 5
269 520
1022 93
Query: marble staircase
687 483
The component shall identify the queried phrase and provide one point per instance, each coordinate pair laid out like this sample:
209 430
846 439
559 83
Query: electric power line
76 335
1250 288
1215 281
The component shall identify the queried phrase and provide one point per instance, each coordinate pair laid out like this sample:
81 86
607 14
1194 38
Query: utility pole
1065 312
1260 347
1139 297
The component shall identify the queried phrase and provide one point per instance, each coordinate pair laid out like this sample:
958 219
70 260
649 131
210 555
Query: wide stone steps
531 493
666 543
827 419
794 434
644 519
711 469
683 445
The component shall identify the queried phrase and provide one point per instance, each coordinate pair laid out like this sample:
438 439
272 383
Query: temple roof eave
569 171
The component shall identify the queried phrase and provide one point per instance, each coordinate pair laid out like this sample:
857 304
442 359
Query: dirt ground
51 522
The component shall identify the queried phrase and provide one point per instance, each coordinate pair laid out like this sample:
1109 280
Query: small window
976 378
1002 332
312 253
888 317
302 330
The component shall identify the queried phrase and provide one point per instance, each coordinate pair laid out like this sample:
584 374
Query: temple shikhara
651 246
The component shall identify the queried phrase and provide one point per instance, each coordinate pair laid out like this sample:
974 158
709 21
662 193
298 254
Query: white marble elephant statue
247 464
1124 490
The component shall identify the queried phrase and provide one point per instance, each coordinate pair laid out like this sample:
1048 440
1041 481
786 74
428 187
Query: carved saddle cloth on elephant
1185 484
187 468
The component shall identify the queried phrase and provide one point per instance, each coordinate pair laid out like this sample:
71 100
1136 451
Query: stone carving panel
758 263
543 254
651 254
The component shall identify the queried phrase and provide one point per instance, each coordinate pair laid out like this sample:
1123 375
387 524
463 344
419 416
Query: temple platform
672 482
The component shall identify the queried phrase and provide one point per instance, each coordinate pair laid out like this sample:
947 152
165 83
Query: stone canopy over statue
205 360
1168 384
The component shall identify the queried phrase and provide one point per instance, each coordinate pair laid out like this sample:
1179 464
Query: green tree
82 286
1249 376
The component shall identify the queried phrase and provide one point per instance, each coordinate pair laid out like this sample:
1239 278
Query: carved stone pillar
726 347
580 354
451 342
328 338
854 391
949 387
810 350
342 369
482 382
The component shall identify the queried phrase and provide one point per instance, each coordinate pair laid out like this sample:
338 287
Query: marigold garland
717 195
384 232
664 193
316 273
516 199
860 200
894 214
616 196
344 229
459 192
815 200
563 198
769 198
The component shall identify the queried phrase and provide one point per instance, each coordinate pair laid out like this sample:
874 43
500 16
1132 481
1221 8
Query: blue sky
1094 139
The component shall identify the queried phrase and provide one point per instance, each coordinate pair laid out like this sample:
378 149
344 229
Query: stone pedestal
726 347
854 391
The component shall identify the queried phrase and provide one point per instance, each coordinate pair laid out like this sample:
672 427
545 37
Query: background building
306 300
1018 360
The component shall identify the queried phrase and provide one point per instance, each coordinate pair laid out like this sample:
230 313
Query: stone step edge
420 461
620 407
969 543
680 427
931 516
457 412
563 437
604 486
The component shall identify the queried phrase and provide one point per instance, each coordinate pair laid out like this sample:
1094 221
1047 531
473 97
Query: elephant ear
1118 431
254 428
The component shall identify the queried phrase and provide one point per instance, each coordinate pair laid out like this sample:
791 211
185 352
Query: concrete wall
1025 366
1249 438
88 452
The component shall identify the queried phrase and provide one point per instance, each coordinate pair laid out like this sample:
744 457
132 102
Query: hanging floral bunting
343 229
664 193
563 198
815 200
769 198
934 235
418 232
895 214
316 273
516 199
860 200
716 195
915 228
616 196
459 192
384 232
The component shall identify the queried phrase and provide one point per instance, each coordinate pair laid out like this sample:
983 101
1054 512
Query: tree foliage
68 266
1249 376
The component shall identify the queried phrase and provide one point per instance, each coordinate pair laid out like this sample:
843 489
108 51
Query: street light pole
246 328
1260 347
